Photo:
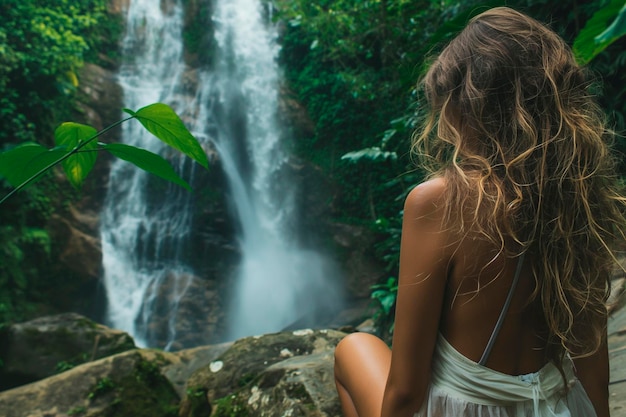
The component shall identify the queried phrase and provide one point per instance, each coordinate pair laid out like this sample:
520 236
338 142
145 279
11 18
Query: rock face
282 374
74 226
46 346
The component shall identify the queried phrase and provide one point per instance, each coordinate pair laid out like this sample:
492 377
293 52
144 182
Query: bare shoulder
426 198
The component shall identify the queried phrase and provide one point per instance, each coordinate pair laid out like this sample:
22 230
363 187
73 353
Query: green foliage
160 120
374 154
71 136
76 410
229 406
385 297
103 386
25 248
198 402
42 45
76 150
616 30
606 26
63 366
143 392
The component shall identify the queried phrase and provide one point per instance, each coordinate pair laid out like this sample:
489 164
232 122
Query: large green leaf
147 161
160 120
599 33
20 164
615 31
72 136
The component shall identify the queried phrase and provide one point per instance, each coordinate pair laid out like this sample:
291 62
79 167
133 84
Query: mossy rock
274 374
129 384
45 346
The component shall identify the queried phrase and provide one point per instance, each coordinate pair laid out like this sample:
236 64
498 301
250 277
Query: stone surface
287 373
80 252
43 347
129 384
184 363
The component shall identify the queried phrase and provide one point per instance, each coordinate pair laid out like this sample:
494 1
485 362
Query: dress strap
505 309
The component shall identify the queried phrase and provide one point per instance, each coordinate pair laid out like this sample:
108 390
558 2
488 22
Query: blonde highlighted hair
524 149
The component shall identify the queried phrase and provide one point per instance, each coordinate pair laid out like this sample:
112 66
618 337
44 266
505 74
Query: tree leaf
74 135
615 31
592 39
147 161
160 120
374 154
26 160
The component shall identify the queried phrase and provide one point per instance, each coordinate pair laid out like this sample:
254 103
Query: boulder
45 346
129 384
280 374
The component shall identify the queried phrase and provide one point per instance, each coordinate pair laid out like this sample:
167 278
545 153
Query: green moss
76 411
142 393
103 386
245 379
198 403
230 406
86 323
63 366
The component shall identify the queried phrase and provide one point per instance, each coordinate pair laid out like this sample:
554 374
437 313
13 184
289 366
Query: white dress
461 387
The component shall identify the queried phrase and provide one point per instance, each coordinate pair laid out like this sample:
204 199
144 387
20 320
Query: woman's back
479 282
513 377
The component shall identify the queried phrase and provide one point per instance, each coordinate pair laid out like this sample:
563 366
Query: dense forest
353 64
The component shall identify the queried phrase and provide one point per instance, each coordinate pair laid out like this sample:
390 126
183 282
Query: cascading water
279 282
145 234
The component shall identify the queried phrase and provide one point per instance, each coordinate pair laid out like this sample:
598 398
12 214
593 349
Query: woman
506 251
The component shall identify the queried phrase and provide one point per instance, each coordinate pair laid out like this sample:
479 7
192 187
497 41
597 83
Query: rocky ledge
280 374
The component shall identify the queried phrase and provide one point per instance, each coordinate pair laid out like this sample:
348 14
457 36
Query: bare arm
593 373
422 282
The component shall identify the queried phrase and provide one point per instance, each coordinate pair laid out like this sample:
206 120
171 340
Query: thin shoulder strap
505 308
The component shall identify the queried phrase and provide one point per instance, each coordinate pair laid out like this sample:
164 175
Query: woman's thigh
361 367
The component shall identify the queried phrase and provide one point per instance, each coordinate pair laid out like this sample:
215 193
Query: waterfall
145 231
143 235
279 282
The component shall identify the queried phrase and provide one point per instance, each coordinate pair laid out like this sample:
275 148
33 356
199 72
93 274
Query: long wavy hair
525 152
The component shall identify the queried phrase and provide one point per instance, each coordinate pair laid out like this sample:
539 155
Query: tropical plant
76 149
606 26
